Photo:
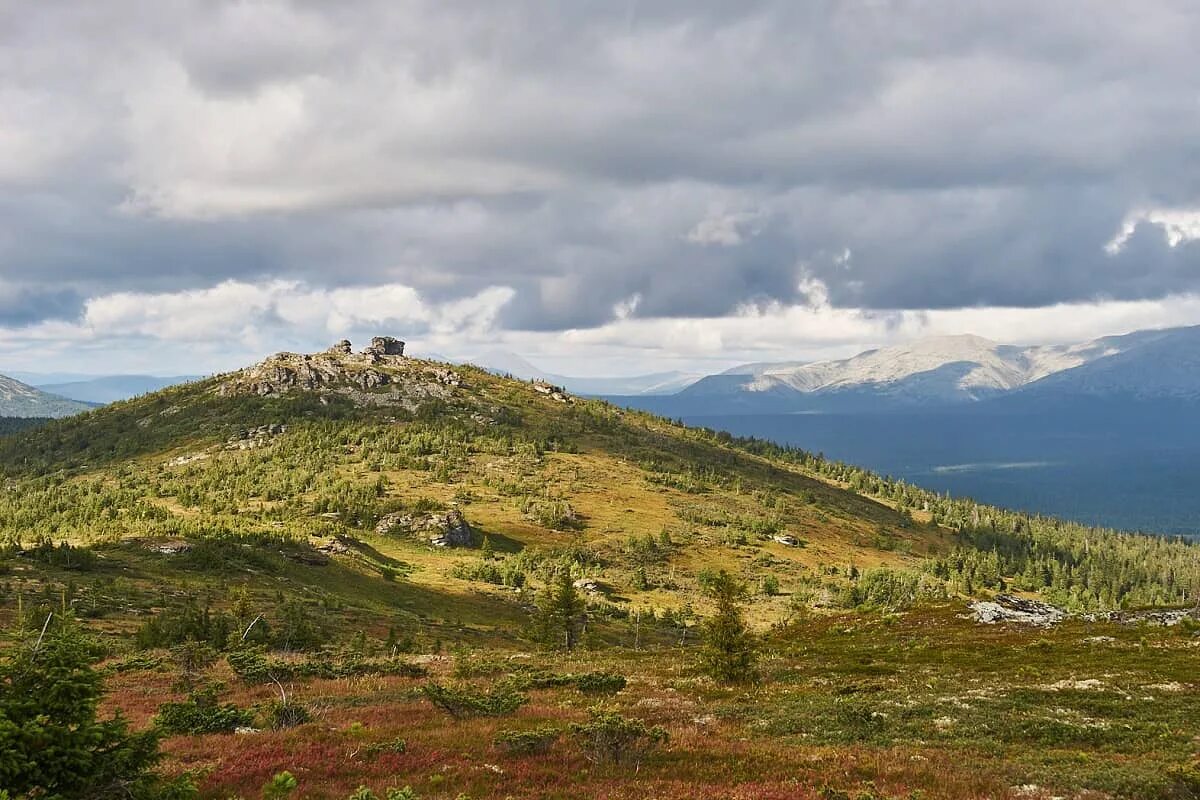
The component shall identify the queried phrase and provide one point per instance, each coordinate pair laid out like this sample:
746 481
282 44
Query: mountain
21 400
111 388
1147 365
949 371
502 362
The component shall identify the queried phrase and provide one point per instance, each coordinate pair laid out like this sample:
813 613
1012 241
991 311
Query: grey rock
1006 608
445 529
384 346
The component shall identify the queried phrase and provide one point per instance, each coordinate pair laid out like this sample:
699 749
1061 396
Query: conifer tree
561 614
51 742
729 650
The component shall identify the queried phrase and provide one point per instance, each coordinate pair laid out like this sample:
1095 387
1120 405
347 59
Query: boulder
343 348
384 346
442 529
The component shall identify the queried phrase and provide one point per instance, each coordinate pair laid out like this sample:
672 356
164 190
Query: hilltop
352 528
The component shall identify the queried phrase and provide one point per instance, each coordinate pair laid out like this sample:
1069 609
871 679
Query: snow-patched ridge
966 368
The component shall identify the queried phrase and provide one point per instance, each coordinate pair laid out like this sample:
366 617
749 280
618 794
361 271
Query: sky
603 187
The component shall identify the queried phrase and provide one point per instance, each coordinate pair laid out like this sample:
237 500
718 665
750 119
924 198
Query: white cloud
726 229
234 323
1179 225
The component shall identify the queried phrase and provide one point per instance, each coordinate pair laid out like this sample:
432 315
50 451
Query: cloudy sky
604 187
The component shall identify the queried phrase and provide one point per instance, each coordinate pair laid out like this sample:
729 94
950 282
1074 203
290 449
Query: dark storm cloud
655 159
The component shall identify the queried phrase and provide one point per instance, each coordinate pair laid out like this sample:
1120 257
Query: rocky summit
380 375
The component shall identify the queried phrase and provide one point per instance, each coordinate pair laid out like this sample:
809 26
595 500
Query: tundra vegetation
240 596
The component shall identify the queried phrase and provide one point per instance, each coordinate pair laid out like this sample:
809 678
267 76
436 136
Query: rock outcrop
250 438
445 529
1006 608
556 393
384 346
379 376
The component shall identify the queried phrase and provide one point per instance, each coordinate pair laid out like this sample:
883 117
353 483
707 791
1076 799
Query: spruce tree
561 614
51 742
729 650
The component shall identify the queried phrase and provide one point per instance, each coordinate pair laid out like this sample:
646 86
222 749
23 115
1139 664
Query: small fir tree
729 650
561 614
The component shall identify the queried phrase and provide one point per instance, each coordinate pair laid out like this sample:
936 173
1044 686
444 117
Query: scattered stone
1006 608
1172 687
446 377
1160 618
244 730
1086 685
179 461
445 529
171 547
335 547
588 585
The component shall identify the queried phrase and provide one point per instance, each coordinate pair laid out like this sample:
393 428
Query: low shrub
377 749
253 666
283 715
609 738
587 682
201 713
461 701
600 682
185 623
527 742
280 786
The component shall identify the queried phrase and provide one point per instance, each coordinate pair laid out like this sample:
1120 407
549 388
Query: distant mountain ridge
22 400
502 362
954 370
111 388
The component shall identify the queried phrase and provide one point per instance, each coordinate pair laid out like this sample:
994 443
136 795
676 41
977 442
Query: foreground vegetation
633 606
923 704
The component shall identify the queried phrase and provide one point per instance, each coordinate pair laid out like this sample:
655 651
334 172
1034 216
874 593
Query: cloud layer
608 169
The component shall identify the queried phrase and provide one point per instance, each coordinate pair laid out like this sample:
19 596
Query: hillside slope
369 455
326 448
21 400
